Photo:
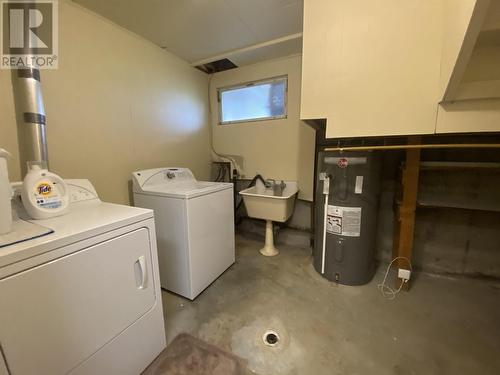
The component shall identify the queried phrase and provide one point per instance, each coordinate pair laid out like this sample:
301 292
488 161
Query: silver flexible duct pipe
31 117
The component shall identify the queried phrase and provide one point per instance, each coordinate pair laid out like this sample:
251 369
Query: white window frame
250 84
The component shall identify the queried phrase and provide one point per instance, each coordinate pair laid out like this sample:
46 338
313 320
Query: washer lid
188 190
173 182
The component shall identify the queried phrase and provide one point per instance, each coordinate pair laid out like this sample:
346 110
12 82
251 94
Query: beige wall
281 149
481 79
469 116
116 104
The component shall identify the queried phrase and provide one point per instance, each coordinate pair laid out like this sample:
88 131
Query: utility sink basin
261 203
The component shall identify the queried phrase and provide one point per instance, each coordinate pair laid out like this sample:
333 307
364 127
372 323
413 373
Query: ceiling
245 31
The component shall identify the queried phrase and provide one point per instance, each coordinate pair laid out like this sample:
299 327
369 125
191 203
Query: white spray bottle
44 194
5 195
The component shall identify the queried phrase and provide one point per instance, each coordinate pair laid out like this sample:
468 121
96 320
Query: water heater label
358 189
344 221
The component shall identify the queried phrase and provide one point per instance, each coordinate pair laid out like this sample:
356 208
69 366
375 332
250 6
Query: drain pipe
31 117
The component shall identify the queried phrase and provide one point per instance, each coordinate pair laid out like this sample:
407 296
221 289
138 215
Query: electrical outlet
404 274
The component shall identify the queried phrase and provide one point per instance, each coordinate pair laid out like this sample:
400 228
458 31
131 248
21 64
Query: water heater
347 197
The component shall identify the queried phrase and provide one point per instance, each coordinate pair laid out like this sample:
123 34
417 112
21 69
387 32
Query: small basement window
253 101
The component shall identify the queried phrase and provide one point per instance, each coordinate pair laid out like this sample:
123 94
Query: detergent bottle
44 194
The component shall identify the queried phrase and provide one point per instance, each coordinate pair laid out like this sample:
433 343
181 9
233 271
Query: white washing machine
194 226
85 299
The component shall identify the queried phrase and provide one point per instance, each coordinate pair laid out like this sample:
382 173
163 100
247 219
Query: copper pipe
419 146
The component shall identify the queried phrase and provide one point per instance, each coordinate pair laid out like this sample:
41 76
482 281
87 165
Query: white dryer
194 226
85 299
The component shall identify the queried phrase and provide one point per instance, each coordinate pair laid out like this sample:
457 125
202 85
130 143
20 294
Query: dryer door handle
141 272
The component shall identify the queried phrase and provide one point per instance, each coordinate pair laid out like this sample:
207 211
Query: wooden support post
405 213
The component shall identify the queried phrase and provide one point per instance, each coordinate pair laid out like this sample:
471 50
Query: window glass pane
258 101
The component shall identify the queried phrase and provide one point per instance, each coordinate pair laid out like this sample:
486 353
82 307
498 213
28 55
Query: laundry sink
262 203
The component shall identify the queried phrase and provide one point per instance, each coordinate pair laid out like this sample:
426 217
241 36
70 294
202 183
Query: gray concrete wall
448 240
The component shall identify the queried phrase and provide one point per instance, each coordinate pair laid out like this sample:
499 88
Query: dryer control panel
81 190
161 176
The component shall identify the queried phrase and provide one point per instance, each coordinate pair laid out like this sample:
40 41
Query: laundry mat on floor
189 355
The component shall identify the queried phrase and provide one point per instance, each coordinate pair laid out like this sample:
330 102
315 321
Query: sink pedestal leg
269 250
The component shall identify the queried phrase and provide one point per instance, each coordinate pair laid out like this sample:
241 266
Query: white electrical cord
386 290
234 163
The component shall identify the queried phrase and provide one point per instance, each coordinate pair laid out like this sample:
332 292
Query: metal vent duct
31 117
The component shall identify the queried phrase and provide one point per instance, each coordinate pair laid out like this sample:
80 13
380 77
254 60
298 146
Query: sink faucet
277 187
270 183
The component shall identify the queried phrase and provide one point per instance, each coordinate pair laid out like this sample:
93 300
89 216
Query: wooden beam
405 213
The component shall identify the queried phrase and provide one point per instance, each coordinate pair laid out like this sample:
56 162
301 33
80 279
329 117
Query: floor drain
271 338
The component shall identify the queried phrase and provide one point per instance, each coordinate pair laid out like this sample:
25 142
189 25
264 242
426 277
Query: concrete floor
442 326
